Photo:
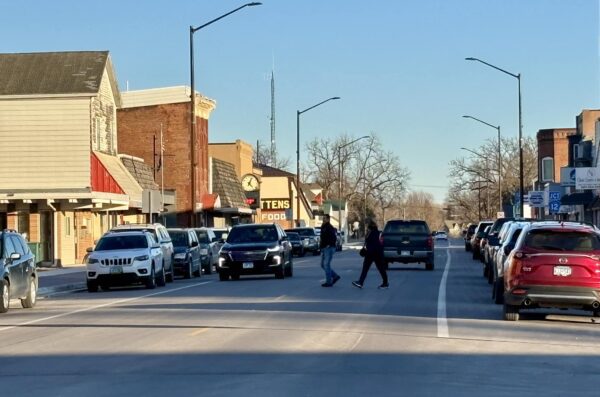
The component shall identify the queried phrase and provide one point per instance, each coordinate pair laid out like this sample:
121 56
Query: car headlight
277 259
91 261
304 242
203 251
141 258
222 261
180 256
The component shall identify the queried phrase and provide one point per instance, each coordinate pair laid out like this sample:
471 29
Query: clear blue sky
398 65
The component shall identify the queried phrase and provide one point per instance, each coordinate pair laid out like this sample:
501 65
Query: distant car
210 245
553 264
309 235
408 241
256 249
441 235
468 234
161 235
477 236
187 252
124 258
18 275
297 243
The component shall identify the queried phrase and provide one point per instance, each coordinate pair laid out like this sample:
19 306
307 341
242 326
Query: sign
554 202
567 176
587 178
500 214
275 204
273 216
253 199
536 199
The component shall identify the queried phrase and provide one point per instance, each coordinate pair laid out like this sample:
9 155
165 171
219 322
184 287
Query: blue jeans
326 255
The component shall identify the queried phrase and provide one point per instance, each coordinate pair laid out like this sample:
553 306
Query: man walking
327 245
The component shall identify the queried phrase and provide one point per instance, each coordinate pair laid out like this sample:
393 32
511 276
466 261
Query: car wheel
171 274
151 280
511 312
162 278
31 297
474 255
210 265
467 247
486 271
223 276
105 287
429 266
498 291
92 285
289 270
188 270
4 296
235 276
490 277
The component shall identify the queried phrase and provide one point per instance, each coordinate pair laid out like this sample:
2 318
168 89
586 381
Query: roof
141 171
268 171
125 180
53 73
226 184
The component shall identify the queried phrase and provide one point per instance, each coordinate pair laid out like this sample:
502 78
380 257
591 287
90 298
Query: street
431 333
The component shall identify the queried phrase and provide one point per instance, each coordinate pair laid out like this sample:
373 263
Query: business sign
554 202
253 199
536 199
567 176
587 178
273 216
275 204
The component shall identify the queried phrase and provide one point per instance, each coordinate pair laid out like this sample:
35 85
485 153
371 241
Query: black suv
18 276
408 241
255 249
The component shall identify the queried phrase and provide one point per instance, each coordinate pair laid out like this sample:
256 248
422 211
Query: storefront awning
579 198
121 175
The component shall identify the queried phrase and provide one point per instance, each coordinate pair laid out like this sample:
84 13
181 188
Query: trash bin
35 250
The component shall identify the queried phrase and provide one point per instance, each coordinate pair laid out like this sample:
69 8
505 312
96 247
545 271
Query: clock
250 183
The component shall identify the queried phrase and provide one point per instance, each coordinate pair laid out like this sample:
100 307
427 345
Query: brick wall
554 143
136 130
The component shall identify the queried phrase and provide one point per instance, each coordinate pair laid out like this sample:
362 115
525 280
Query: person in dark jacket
327 246
374 254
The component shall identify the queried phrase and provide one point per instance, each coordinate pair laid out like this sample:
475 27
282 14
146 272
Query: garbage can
35 250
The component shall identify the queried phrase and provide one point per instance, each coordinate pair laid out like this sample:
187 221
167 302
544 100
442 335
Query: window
9 248
17 245
547 169
67 226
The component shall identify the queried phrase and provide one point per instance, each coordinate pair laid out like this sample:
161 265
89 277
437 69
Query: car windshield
122 230
406 228
305 232
202 236
293 236
252 234
553 240
180 238
110 243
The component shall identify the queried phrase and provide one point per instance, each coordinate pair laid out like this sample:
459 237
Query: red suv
554 264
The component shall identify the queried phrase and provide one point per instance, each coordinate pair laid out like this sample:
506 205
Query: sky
397 65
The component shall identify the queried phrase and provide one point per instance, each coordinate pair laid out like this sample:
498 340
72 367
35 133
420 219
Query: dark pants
379 262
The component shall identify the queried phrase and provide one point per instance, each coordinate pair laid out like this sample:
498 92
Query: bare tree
262 155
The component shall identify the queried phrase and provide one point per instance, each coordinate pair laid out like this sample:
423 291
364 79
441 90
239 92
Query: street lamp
193 105
298 113
340 175
499 158
518 77
487 181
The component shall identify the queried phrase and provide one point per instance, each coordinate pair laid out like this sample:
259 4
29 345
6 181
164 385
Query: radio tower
273 148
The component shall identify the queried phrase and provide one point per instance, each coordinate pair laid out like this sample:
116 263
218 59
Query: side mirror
194 243
89 249
15 256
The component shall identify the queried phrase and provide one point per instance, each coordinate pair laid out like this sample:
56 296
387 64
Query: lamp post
340 175
298 113
487 181
193 110
518 77
499 158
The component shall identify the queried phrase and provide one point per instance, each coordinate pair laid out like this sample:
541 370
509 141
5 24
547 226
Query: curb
47 291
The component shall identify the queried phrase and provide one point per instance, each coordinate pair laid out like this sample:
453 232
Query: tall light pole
340 175
518 77
499 158
486 179
193 109
298 113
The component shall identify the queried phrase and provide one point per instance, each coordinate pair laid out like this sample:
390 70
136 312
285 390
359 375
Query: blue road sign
553 202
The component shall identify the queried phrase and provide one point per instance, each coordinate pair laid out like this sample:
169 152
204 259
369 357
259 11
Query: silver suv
161 235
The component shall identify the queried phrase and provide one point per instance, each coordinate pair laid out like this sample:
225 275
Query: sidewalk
353 245
52 280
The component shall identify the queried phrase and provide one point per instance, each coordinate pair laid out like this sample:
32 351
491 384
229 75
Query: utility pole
273 146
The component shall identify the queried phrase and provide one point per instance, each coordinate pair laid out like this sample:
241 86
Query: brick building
553 152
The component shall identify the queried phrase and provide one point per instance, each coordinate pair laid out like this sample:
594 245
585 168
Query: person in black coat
374 253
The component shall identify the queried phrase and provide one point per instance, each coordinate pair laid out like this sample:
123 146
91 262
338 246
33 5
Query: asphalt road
432 333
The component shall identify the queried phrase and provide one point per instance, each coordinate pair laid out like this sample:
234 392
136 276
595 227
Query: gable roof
55 73
268 171
142 172
227 185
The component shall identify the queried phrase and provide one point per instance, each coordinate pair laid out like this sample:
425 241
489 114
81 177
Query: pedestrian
374 253
327 246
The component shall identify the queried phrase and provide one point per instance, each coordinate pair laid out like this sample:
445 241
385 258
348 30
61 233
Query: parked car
124 258
210 245
553 264
187 252
309 235
492 243
255 249
220 234
499 263
483 244
408 241
18 275
468 234
441 235
161 235
297 243
477 236
339 241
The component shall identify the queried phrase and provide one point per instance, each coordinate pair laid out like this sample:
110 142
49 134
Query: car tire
490 277
162 277
4 296
151 280
511 312
474 255
188 270
429 266
498 291
235 276
209 267
486 271
92 285
170 276
289 270
29 301
223 276
467 247
105 287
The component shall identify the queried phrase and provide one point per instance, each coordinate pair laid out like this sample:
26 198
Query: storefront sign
273 216
253 199
567 176
275 204
587 178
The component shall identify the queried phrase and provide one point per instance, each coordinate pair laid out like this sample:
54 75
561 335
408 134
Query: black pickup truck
408 241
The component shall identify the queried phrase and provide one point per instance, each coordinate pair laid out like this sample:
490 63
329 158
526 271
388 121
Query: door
46 249
194 250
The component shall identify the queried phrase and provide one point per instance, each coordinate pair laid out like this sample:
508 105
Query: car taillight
381 239
520 255
430 242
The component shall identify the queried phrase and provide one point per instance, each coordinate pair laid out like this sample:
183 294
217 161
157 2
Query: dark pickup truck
408 241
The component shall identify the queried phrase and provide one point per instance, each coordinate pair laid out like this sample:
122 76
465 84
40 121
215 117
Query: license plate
404 253
562 271
116 269
247 265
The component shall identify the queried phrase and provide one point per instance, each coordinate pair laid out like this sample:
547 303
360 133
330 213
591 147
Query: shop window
23 223
547 169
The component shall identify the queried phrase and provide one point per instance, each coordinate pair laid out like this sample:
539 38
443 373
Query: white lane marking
87 309
442 321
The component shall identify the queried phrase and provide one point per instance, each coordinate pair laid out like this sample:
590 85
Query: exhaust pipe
595 305
527 302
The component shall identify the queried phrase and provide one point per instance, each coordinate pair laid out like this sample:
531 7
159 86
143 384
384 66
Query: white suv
125 258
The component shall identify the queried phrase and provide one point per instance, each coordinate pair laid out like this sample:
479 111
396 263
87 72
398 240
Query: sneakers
384 286
327 285
357 284
335 279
